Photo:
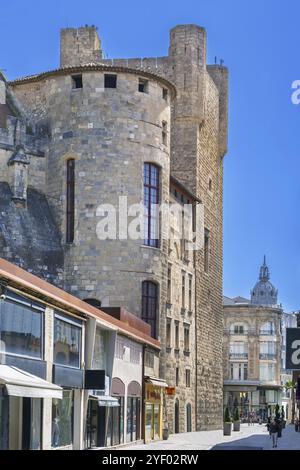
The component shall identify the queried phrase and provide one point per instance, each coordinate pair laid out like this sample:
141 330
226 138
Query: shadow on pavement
247 443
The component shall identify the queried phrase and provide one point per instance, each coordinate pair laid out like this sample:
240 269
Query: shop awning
156 382
19 383
105 400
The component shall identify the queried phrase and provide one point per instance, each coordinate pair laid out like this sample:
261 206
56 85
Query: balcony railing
267 332
243 355
267 356
249 331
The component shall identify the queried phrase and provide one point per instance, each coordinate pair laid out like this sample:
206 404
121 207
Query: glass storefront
133 419
21 326
62 420
35 423
115 426
259 403
67 341
148 422
153 412
3 422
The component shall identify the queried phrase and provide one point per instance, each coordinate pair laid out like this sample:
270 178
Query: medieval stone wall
110 133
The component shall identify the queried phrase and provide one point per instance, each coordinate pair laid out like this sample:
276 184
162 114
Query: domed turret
264 293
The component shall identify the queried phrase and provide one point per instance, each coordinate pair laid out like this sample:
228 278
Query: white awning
105 400
19 383
157 382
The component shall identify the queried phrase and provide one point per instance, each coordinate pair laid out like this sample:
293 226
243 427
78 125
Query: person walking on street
268 425
274 427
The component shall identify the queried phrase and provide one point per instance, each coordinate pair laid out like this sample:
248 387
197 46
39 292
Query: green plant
236 416
290 385
227 418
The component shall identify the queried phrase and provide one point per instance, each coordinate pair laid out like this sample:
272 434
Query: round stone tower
109 127
105 123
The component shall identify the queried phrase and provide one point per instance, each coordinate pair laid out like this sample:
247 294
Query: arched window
70 208
149 305
188 417
134 393
151 197
115 414
268 328
94 302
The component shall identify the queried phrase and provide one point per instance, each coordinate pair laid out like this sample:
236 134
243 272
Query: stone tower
79 46
106 119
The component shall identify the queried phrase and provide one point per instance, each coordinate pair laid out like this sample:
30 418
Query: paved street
250 438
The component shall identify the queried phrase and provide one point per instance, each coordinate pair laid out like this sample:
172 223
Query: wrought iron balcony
267 356
243 355
267 332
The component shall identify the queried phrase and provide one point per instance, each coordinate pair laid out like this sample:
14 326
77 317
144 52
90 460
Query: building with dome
252 349
264 293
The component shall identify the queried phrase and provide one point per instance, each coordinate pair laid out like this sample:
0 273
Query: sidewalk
255 437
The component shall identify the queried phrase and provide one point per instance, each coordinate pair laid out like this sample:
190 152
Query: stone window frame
154 192
152 320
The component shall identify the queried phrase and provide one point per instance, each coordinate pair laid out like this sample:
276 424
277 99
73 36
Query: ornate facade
252 350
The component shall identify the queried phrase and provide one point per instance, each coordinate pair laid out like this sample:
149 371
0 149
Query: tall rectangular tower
198 145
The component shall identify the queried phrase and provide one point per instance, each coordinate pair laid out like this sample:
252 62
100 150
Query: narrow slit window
176 335
165 94
190 293
70 200
169 284
188 378
76 81
164 132
183 290
206 251
110 81
168 333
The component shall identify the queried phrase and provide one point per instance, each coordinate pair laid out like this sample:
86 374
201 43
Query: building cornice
93 67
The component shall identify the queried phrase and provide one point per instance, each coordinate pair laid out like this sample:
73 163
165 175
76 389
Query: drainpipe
143 436
196 346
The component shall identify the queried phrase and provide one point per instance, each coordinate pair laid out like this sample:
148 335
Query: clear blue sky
259 42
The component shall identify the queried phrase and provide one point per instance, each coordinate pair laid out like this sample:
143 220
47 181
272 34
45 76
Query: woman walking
274 428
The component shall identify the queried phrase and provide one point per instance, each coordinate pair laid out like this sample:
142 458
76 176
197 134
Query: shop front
258 402
154 400
23 371
68 374
21 408
105 417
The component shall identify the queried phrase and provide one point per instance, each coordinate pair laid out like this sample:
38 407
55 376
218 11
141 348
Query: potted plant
165 431
236 420
227 423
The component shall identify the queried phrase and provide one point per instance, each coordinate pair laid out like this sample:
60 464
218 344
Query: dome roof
264 293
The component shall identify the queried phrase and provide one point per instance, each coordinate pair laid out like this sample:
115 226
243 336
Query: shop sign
170 391
153 394
293 348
